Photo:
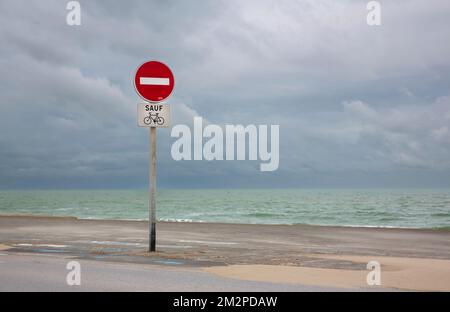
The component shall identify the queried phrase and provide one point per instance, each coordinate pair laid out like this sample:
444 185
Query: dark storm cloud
356 105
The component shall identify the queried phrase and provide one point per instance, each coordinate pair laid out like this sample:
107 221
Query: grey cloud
352 101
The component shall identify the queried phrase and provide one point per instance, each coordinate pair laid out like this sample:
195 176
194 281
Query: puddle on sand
133 259
109 243
40 245
174 246
108 256
49 250
168 262
108 249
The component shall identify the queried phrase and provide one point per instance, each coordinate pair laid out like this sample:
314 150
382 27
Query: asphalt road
47 273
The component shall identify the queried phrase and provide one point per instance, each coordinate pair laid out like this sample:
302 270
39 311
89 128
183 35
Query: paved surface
33 272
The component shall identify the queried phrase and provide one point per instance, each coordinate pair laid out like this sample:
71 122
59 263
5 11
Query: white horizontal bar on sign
154 81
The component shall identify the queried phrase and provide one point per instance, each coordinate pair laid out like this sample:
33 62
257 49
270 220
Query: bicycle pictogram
155 118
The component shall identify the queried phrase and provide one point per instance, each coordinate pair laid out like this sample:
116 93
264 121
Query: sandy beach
410 259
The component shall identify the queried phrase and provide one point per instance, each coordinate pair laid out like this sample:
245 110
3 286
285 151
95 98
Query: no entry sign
154 81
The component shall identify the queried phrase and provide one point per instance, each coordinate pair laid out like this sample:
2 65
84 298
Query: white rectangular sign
153 115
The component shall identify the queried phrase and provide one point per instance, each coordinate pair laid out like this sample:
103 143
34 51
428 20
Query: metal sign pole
152 191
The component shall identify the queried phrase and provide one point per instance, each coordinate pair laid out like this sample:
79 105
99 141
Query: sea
402 208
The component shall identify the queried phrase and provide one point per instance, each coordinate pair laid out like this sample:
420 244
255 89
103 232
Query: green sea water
374 208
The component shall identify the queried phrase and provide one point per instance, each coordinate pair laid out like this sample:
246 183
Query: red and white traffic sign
154 81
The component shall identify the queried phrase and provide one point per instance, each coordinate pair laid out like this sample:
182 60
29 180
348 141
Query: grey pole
152 191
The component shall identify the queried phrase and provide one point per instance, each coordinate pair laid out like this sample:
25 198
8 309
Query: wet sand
313 255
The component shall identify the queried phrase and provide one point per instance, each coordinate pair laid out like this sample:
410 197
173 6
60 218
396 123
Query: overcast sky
357 105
